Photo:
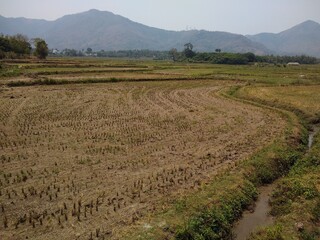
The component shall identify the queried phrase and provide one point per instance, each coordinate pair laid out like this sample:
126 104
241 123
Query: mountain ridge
300 39
104 30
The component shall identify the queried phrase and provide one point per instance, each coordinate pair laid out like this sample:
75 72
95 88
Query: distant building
55 51
293 64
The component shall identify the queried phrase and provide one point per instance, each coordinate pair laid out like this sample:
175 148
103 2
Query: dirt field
84 161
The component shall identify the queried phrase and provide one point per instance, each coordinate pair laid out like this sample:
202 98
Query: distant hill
301 39
102 30
105 30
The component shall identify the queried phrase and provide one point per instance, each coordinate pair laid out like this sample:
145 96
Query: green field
127 70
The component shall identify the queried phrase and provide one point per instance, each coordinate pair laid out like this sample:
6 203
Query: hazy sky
237 16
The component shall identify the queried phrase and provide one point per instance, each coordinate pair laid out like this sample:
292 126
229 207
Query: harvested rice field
92 149
78 158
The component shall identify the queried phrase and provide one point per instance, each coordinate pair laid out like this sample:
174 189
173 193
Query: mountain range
301 39
102 30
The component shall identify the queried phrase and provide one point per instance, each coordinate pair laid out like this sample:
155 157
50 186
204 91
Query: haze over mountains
102 30
301 39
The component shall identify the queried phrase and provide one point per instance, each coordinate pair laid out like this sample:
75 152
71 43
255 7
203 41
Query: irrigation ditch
258 214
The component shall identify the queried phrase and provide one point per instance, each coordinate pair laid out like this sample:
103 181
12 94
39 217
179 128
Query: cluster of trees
216 57
225 58
14 46
158 55
219 57
188 54
303 59
68 53
19 46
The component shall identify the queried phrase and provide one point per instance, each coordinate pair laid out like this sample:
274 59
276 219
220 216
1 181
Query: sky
236 16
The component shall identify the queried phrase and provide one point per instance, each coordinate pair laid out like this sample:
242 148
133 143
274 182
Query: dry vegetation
84 161
303 99
115 145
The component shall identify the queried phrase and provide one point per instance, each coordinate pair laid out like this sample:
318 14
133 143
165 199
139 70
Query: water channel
259 216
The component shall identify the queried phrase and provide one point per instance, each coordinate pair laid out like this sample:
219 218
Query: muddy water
311 136
258 218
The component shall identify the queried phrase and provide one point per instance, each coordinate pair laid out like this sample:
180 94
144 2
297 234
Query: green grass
9 71
46 81
253 74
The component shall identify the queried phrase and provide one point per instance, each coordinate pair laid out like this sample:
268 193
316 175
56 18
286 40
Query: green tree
41 50
20 44
188 50
173 54
5 44
250 56
89 50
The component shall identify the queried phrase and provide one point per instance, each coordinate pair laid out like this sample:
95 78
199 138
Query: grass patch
215 222
302 100
46 81
274 162
8 71
267 74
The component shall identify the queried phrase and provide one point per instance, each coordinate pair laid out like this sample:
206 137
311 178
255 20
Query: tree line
19 46
134 54
188 55
220 57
